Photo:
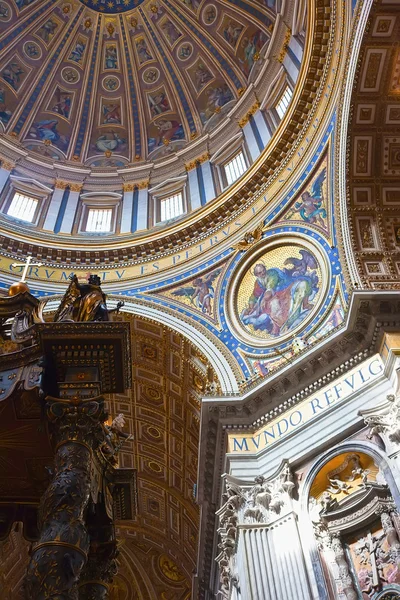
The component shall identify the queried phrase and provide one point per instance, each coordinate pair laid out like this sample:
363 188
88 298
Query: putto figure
84 302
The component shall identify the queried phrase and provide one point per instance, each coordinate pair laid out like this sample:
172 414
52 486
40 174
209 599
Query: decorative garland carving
262 503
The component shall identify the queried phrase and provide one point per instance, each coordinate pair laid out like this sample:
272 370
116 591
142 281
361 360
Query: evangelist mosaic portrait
279 291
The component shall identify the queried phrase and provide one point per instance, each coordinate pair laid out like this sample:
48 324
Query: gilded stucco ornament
384 419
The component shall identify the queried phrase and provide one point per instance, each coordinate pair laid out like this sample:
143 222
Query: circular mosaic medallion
32 50
111 7
185 51
5 12
209 14
277 292
111 84
151 75
70 75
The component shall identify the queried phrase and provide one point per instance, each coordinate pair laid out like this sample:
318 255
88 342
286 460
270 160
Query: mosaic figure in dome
282 297
168 131
61 103
158 103
70 75
47 130
151 76
112 113
48 30
13 74
185 51
22 3
201 293
231 32
311 206
251 46
32 50
192 4
216 98
77 52
202 76
4 12
5 113
111 57
110 141
170 31
209 14
143 51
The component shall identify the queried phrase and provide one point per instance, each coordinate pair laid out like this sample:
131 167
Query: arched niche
349 499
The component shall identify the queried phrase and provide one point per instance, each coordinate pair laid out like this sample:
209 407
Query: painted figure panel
312 206
200 75
192 5
49 131
185 51
164 131
170 31
249 49
215 98
110 57
199 293
14 73
110 141
143 51
111 112
5 12
77 52
32 50
231 31
158 102
48 30
61 102
209 14
5 111
279 291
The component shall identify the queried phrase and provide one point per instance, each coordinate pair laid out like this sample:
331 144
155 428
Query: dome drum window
284 101
98 214
169 200
99 220
25 200
23 207
171 207
235 168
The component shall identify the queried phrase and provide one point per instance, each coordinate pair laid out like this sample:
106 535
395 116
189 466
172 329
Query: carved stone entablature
262 502
384 420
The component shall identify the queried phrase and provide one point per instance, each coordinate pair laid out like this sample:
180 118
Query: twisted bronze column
61 553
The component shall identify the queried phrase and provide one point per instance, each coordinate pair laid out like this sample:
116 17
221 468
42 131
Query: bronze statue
84 302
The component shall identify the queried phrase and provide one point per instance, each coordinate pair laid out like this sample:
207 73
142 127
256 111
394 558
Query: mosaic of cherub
201 292
311 205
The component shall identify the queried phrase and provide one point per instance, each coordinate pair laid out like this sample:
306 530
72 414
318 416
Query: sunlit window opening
23 207
171 207
99 220
235 168
284 101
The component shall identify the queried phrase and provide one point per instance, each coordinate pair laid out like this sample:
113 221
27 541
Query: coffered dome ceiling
114 82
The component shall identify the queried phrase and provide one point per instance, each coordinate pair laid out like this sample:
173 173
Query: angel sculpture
84 302
310 207
201 292
338 486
